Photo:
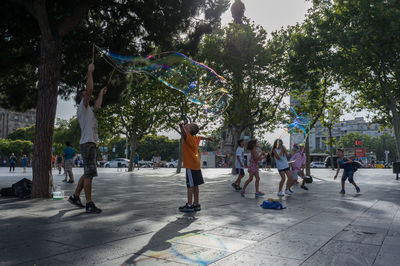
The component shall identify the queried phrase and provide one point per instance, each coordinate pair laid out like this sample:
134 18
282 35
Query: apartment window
27 119
16 118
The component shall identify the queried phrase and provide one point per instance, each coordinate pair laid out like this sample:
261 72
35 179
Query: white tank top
283 162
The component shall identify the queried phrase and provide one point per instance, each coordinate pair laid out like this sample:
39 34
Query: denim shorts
348 175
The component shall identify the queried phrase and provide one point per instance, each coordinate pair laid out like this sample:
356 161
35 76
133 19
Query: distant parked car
317 165
382 164
114 163
173 164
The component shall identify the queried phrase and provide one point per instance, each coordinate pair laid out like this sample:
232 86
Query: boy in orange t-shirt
191 161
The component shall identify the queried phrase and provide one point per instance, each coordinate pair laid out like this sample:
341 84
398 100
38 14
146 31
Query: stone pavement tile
139 261
31 250
362 234
46 262
373 222
92 256
343 254
329 218
316 229
389 253
184 253
214 241
289 245
240 233
255 259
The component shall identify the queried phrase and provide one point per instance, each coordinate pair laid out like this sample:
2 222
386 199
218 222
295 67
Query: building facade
319 134
12 120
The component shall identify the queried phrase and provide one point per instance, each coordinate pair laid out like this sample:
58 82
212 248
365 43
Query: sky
271 14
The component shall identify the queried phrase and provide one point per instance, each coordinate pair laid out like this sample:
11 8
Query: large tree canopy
46 45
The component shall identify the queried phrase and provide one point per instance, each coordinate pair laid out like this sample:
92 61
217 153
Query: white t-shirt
88 122
240 153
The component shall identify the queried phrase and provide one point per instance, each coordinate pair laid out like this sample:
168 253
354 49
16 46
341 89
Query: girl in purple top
254 167
298 163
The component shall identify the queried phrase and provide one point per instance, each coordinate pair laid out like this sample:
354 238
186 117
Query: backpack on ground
272 205
23 188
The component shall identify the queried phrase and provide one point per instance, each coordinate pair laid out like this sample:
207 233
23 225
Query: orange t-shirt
190 154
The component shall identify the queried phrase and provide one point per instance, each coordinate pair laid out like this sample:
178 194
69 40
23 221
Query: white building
319 134
12 120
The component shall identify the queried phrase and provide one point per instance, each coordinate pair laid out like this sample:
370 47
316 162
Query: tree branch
69 23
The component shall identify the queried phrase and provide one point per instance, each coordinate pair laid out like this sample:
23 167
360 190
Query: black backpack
355 166
23 188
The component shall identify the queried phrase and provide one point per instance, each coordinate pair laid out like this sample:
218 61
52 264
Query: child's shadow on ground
159 241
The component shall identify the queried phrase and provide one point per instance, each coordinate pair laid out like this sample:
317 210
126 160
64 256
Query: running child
254 168
239 164
298 164
348 170
280 155
191 161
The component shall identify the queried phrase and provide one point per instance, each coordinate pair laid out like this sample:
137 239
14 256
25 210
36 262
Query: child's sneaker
234 186
280 194
291 191
91 208
186 208
242 193
287 192
304 187
342 192
358 189
259 194
196 207
76 200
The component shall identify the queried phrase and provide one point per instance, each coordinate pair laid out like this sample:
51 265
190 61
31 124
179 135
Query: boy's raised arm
182 128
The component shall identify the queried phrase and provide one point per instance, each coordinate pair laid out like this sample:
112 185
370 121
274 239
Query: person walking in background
69 154
136 161
13 161
268 160
59 161
24 162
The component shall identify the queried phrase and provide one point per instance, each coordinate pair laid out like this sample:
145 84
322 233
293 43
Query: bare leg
283 177
71 175
196 195
237 182
342 185
290 180
248 182
354 184
79 187
190 192
87 185
257 183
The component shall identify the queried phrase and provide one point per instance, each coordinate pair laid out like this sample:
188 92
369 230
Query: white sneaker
280 194
287 192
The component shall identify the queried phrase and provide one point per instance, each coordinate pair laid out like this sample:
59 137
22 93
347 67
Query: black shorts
284 170
88 151
349 175
239 171
193 178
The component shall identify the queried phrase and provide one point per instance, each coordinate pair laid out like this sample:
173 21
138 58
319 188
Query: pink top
253 166
299 159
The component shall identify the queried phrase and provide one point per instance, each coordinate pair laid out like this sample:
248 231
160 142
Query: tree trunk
308 159
49 76
179 167
133 153
331 146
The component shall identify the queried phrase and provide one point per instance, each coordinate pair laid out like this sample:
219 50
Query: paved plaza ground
141 224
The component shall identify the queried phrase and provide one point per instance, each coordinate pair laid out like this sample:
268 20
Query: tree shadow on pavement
160 240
